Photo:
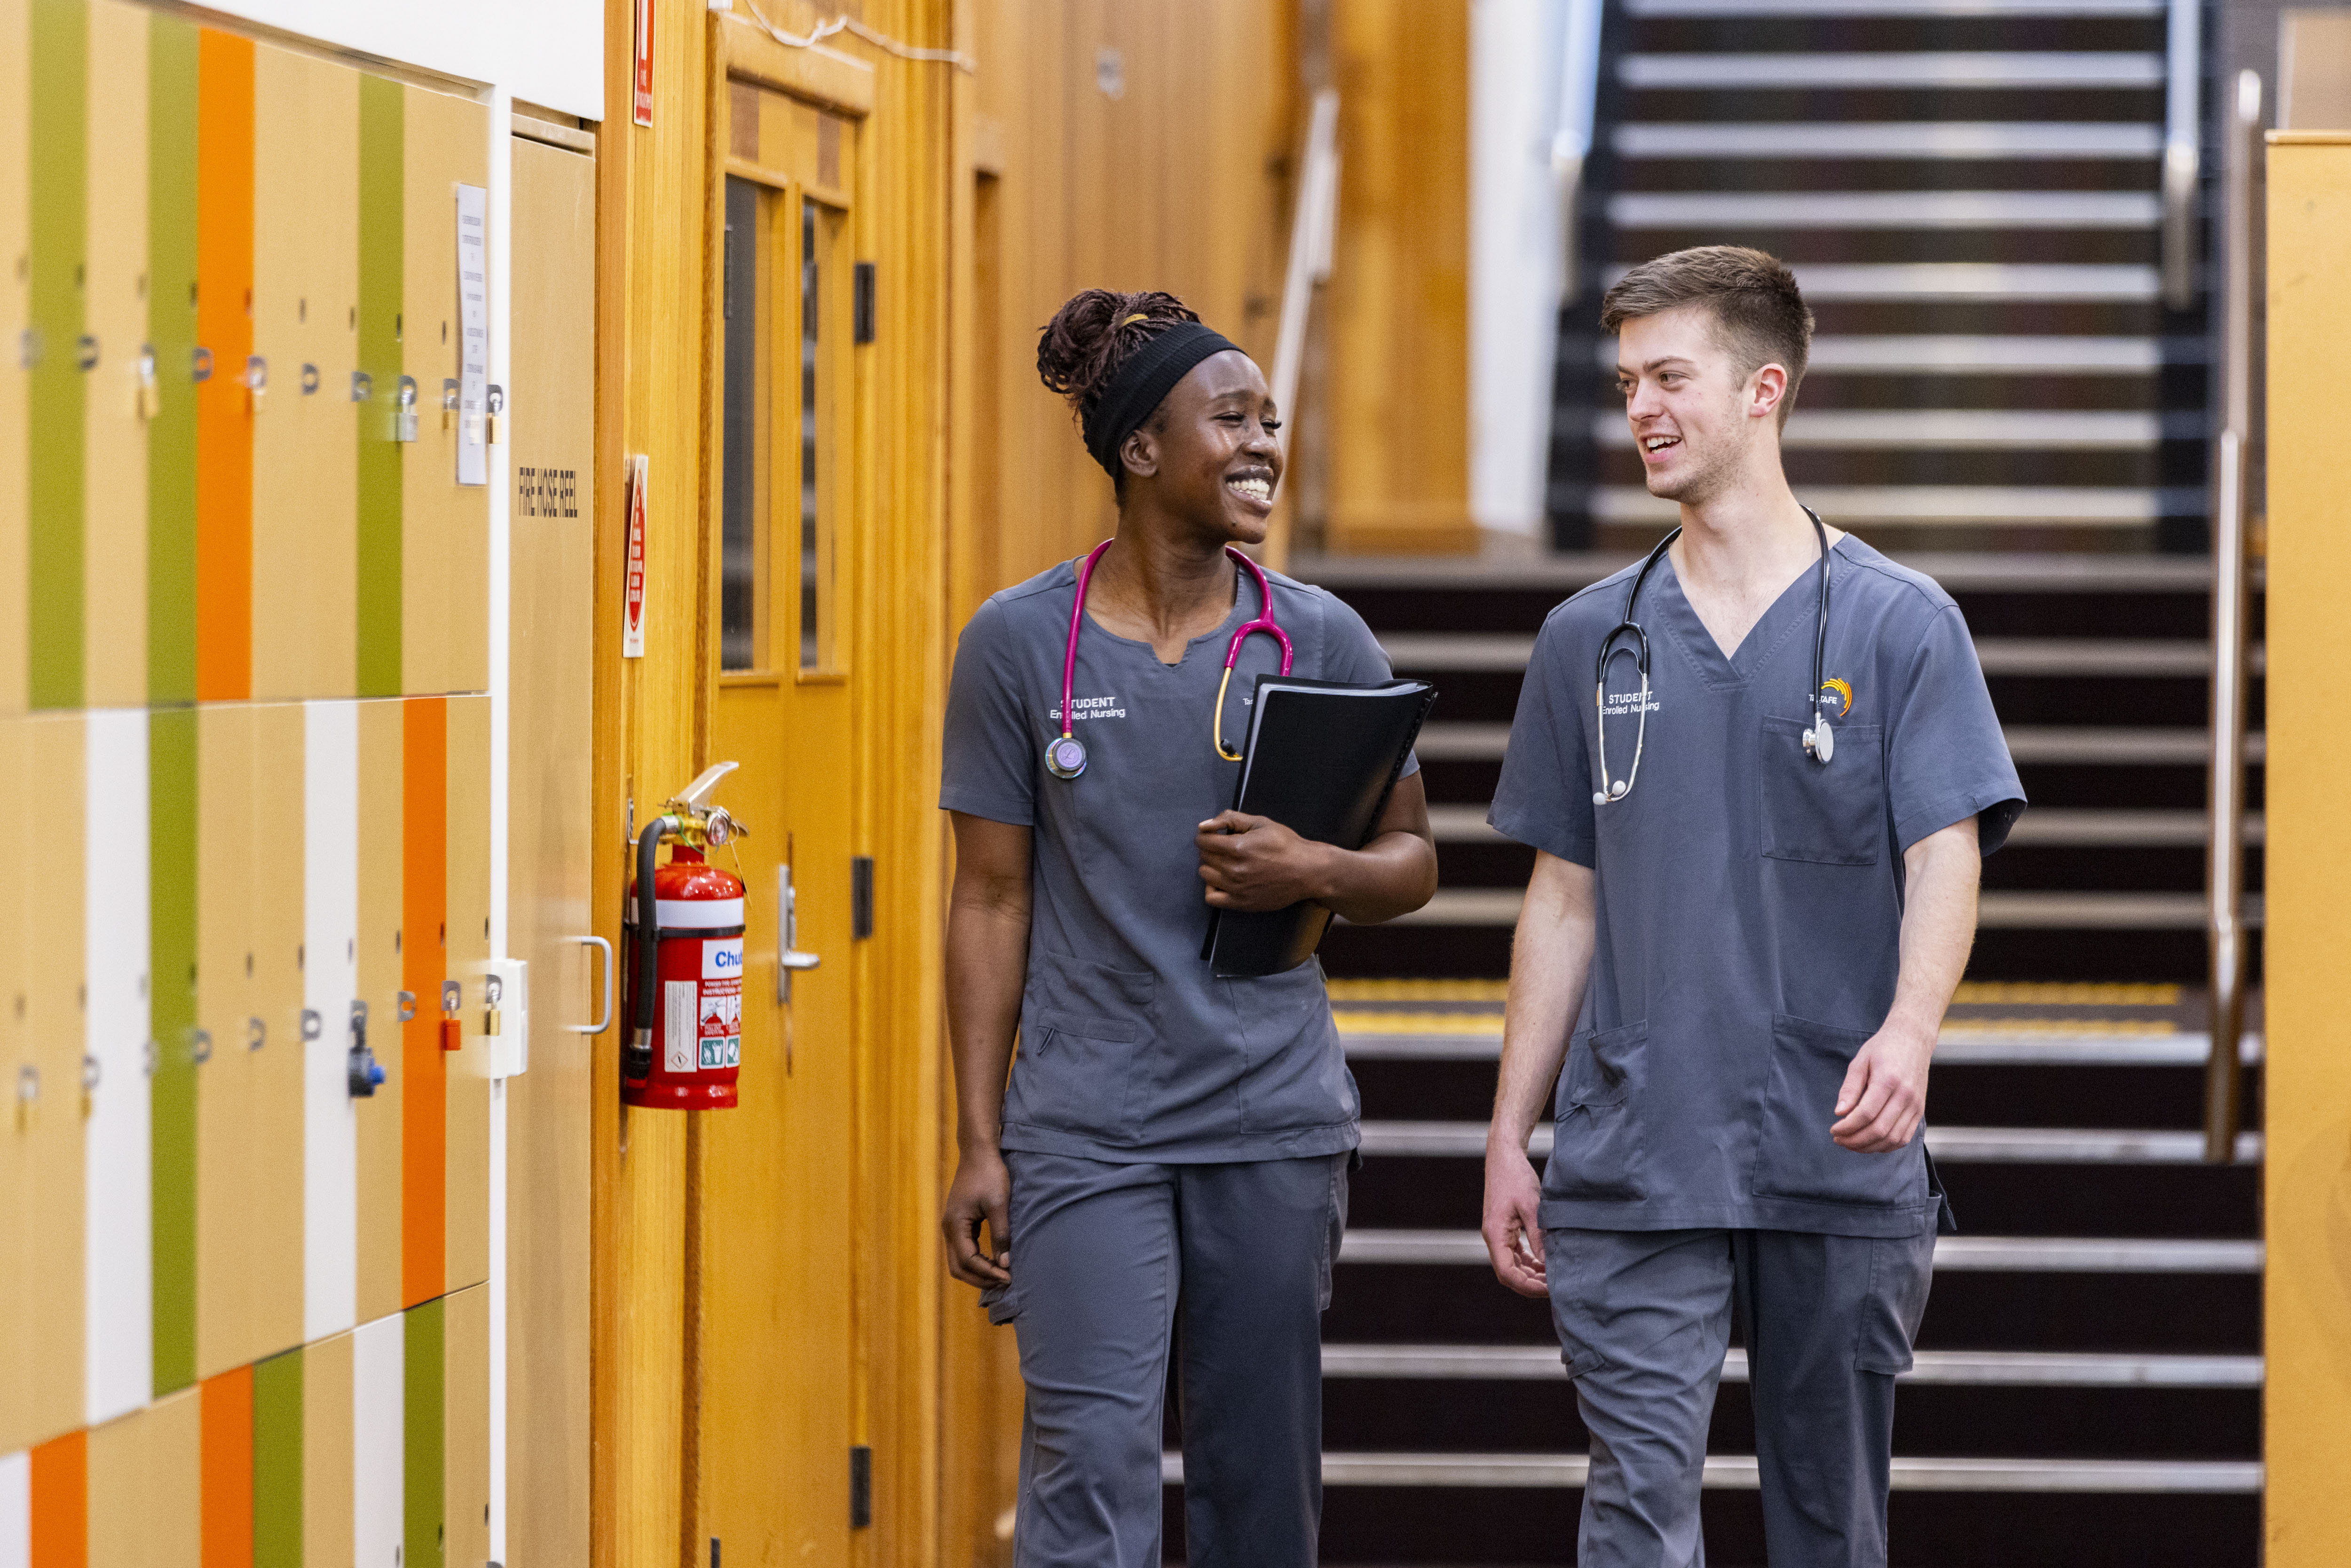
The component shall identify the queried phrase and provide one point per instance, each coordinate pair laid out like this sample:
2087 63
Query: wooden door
778 1173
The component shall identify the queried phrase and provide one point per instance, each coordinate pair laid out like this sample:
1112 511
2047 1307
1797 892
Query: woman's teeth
1255 490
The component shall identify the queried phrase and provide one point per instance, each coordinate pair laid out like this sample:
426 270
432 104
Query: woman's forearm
1394 874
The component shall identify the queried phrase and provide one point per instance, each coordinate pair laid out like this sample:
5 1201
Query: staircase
1998 398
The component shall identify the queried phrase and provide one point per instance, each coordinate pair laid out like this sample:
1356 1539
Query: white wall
549 52
1515 50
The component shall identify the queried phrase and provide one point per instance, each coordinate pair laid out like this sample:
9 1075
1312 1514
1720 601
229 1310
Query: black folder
1322 758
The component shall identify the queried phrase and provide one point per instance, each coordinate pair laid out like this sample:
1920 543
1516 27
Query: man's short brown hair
1760 315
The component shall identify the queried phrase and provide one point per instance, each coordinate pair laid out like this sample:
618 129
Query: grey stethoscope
1820 741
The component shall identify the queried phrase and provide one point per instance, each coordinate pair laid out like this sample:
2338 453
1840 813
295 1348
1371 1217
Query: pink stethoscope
1065 758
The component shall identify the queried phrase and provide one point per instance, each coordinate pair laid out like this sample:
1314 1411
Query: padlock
448 403
256 381
496 403
150 397
403 417
494 990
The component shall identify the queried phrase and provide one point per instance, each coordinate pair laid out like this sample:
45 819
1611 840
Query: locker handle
407 1001
256 1034
605 1022
312 1024
201 1047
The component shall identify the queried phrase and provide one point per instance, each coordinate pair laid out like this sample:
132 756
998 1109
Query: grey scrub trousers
1177 1142
1748 906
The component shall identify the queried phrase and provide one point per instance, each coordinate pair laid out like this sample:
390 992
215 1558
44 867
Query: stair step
1979 1254
1961 430
2029 1145
1416 1037
2002 281
1885 209
2027 910
1900 505
2107 744
2043 825
1889 139
1740 1472
1425 653
1924 68
1646 9
1987 1367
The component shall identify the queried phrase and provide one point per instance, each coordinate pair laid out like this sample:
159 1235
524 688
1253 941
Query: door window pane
741 643
812 551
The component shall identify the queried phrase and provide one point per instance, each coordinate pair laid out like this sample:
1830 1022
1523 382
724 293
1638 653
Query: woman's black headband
1141 384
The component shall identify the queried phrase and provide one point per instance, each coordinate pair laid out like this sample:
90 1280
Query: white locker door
331 886
379 1430
119 1294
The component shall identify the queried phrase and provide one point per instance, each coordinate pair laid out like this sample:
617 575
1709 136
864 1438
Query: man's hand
1255 862
1884 1097
1512 1229
982 1191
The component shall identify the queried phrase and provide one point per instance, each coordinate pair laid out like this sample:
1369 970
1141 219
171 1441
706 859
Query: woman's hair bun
1088 338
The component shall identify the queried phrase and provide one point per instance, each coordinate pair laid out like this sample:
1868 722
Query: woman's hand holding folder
1255 862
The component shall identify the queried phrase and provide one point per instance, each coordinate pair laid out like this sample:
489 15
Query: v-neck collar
1233 618
1792 610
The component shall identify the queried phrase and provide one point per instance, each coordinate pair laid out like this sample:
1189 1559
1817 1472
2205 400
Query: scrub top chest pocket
1828 815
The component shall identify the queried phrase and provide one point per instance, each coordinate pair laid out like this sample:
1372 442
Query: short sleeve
1350 653
1946 758
1543 799
989 758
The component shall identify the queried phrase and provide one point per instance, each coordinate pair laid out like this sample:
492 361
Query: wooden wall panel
2306 1103
1398 308
118 1165
226 1070
550 742
306 278
274 1160
381 782
51 1125
114 482
466 1160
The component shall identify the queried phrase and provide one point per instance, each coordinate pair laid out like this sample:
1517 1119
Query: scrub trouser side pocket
1643 1318
1258 1242
1828 1323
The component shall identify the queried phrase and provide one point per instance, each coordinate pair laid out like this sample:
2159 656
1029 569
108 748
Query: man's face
1695 418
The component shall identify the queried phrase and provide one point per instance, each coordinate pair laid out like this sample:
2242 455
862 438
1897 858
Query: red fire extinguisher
683 926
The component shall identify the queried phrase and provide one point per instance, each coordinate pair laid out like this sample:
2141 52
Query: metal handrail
2232 600
2181 144
1571 141
1314 237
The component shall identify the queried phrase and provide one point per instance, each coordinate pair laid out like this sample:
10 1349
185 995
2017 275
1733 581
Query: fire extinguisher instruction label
721 1013
677 1025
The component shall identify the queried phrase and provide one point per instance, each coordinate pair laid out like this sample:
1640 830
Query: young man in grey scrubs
1742 955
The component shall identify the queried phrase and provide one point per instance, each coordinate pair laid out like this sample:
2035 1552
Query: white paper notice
473 344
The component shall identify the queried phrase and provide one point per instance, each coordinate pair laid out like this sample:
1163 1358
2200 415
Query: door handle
789 957
601 1025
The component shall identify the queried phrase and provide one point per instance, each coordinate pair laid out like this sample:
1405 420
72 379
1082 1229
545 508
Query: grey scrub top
1749 899
1131 1049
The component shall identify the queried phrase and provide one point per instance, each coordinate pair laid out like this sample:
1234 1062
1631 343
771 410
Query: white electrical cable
851 25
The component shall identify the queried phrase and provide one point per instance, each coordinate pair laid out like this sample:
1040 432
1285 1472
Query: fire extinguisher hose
638 1062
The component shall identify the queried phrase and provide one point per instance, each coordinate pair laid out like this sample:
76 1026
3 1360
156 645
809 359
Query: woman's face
1208 454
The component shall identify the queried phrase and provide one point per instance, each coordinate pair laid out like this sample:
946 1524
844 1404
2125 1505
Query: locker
117 1492
15 1509
225 1068
15 227
274 1167
16 1407
466 1420
423 1436
172 850
277 1460
467 1084
51 354
381 982
445 526
379 1449
118 1289
380 467
175 1480
227 1468
51 1119
171 197
304 288
59 1514
327 1452
224 333
423 1123
114 310
330 878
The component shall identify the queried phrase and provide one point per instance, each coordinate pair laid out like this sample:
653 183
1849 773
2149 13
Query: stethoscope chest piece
1065 756
1821 741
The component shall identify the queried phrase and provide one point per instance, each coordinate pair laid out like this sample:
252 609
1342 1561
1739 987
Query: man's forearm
1551 962
1938 924
987 966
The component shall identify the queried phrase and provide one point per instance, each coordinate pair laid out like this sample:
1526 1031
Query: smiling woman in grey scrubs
1172 1148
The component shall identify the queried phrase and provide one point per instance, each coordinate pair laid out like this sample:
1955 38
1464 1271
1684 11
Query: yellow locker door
445 563
114 449
327 1452
466 1177
117 1492
15 312
466 1426
50 1101
275 1172
548 745
16 1140
174 1526
225 1065
381 804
